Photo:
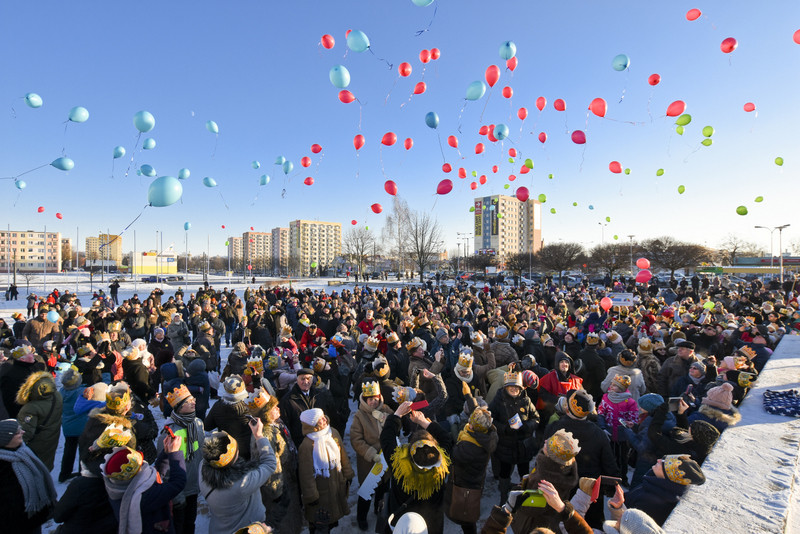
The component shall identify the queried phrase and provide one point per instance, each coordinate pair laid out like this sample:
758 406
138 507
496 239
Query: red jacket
309 342
552 385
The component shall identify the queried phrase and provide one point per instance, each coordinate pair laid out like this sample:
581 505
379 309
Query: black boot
362 509
505 487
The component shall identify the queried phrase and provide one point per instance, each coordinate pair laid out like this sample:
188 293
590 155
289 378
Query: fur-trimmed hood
38 385
226 477
721 415
108 418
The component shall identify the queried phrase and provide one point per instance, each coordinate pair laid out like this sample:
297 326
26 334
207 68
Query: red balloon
435 53
59 216
495 168
559 104
728 45
578 137
425 55
447 167
376 208
511 64
598 107
389 138
676 108
40 209
643 263
420 88
492 75
523 170
404 69
408 143
462 172
541 102
512 152
796 37
482 179
522 194
252 229
749 107
354 222
479 148
542 137
490 134
347 34
508 92
615 167
483 130
522 113
643 276
328 41
309 181
390 187
693 14
511 177
473 186
346 96
358 141
654 79
316 149
223 226
305 161
452 140
605 303
444 187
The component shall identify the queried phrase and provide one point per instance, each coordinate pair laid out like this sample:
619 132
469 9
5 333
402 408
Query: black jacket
293 403
595 457
515 445
84 507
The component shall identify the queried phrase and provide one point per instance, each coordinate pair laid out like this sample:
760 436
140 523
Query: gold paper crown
518 340
286 331
114 326
178 394
562 447
623 380
371 344
318 365
117 397
476 336
747 352
86 349
575 408
230 452
403 394
274 361
370 389
129 469
745 379
512 379
672 468
254 361
257 400
114 435
380 367
205 326
465 359
130 353
392 338
414 344
22 350
480 420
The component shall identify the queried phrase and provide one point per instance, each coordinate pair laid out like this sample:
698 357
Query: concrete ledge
753 474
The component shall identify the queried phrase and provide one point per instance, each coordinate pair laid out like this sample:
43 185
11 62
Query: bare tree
394 235
670 254
424 240
733 246
560 257
357 245
610 257
479 262
519 262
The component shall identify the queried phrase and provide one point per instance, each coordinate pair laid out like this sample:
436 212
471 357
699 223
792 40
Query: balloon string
126 228
360 113
420 32
64 139
381 158
223 200
216 138
13 113
488 97
17 199
112 167
444 160
650 99
133 154
407 101
321 155
461 112
380 58
625 87
632 123
358 165
26 172
385 100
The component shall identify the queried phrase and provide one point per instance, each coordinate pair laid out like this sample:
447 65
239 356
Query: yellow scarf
414 481
466 436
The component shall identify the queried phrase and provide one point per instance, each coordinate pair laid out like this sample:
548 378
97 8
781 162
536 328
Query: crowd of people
605 413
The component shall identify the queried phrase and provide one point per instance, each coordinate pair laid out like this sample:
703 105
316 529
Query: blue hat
650 402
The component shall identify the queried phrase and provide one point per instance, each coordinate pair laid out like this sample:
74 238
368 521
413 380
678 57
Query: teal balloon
357 41
79 114
476 90
264 179
119 151
256 164
280 160
63 164
422 3
209 182
187 226
591 207
508 50
621 62
53 316
33 100
164 191
212 127
149 143
339 76
148 170
501 131
144 121
184 173
20 184
432 119
287 167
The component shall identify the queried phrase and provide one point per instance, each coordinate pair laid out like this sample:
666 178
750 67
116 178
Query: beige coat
365 436
327 494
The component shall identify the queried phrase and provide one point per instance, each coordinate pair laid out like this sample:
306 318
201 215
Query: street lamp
602 232
780 244
631 236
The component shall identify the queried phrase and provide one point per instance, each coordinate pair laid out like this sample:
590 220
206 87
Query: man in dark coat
15 372
303 396
593 368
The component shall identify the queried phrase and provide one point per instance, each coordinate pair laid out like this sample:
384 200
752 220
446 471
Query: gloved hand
377 458
515 499
586 484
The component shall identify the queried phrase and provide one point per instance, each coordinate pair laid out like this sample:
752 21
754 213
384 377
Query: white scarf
326 453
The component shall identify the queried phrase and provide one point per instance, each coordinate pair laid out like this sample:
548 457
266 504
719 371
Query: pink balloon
644 276
559 104
598 107
522 113
796 37
542 137
654 79
578 137
728 45
693 14
615 167
511 177
444 187
390 187
676 108
523 194
605 303
541 102
643 263
749 107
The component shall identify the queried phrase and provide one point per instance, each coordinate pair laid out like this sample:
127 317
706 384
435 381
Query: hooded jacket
556 384
721 419
40 415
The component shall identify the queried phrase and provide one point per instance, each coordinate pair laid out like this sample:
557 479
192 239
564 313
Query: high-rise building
235 252
313 245
67 254
106 247
504 225
257 251
25 251
280 250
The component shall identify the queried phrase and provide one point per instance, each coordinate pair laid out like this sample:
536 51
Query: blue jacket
655 496
72 423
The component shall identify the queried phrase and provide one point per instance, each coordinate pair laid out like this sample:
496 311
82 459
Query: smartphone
533 498
622 421
608 485
418 405
170 432
674 403
251 419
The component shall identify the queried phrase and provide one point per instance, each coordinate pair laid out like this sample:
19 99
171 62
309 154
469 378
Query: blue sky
257 69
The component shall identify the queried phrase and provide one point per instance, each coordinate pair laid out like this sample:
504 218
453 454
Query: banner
621 299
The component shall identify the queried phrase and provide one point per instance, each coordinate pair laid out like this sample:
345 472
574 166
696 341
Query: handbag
465 505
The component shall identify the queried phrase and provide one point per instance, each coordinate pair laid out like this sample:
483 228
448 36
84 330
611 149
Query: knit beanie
311 417
71 378
8 428
635 521
501 334
677 335
561 447
530 379
704 433
681 469
410 523
700 366
627 358
650 402
480 420
719 397
233 390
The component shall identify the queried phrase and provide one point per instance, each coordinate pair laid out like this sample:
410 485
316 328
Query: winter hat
700 366
410 523
501 334
71 378
425 454
650 402
561 447
645 346
220 449
123 463
49 346
480 420
440 333
579 404
635 521
158 332
623 382
403 394
118 396
233 390
627 358
704 433
311 417
99 391
8 429
196 367
681 469
719 397
529 379
176 397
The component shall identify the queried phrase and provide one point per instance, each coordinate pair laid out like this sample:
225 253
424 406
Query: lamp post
780 244
602 232
631 236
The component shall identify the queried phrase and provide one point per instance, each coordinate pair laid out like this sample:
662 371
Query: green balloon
679 130
550 175
741 210
553 211
681 189
471 209
608 219
529 163
660 172
708 131
574 203
313 265
499 215
684 119
542 198
706 142
759 199
627 171
616 237
506 186
226 243
474 174
511 160
779 161
366 227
